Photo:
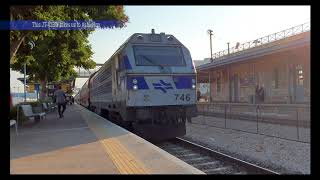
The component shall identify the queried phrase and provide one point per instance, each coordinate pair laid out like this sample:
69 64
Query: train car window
158 56
116 61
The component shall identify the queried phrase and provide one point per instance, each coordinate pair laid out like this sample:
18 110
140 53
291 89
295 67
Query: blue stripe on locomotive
183 82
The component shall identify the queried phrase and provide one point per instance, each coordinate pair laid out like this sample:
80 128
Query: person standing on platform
261 94
60 97
257 97
198 95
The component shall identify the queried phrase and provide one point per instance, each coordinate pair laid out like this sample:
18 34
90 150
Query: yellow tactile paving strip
121 157
124 161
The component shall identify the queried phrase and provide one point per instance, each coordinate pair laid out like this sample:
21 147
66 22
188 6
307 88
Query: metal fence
291 122
264 40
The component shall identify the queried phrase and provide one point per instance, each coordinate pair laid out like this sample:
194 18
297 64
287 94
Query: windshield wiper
152 62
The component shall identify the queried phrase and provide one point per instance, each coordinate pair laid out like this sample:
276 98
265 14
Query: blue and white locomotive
148 84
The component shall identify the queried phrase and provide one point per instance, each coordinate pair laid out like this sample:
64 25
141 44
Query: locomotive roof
152 38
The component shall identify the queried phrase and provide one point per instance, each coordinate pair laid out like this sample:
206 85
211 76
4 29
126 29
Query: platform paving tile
58 146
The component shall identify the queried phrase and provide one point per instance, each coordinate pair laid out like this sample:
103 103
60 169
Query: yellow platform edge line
131 160
123 158
110 152
120 159
136 165
128 158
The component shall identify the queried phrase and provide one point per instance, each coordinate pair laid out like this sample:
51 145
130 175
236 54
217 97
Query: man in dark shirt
60 100
261 93
257 97
198 95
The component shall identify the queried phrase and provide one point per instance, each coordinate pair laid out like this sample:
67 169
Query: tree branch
15 46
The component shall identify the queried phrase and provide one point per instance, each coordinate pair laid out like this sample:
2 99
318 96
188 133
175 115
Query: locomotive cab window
158 56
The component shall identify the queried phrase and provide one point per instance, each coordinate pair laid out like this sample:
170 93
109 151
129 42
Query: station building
279 64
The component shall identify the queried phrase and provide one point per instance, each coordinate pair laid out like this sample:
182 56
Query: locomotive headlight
135 87
193 83
140 37
134 81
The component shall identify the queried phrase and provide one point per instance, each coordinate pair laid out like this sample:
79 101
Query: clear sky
190 24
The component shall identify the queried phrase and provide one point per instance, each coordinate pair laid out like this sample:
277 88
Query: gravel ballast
284 156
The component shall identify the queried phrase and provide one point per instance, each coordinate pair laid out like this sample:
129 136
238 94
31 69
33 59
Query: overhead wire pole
210 34
31 43
25 81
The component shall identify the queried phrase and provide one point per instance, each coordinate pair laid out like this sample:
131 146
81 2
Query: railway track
210 161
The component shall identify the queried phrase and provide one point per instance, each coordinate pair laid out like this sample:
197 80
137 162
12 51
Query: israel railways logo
162 86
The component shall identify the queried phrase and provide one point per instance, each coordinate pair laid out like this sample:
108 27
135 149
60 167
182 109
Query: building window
300 75
275 82
219 83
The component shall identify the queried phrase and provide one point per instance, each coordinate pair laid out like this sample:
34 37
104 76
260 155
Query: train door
121 77
116 80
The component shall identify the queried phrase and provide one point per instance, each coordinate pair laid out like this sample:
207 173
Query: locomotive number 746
183 97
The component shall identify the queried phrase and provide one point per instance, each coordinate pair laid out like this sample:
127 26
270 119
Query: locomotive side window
158 56
121 63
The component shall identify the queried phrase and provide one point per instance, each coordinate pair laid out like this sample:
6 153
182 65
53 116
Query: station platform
84 143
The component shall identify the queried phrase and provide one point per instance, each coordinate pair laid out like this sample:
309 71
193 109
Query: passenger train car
148 84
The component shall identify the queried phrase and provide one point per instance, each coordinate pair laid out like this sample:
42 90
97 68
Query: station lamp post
210 34
32 44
